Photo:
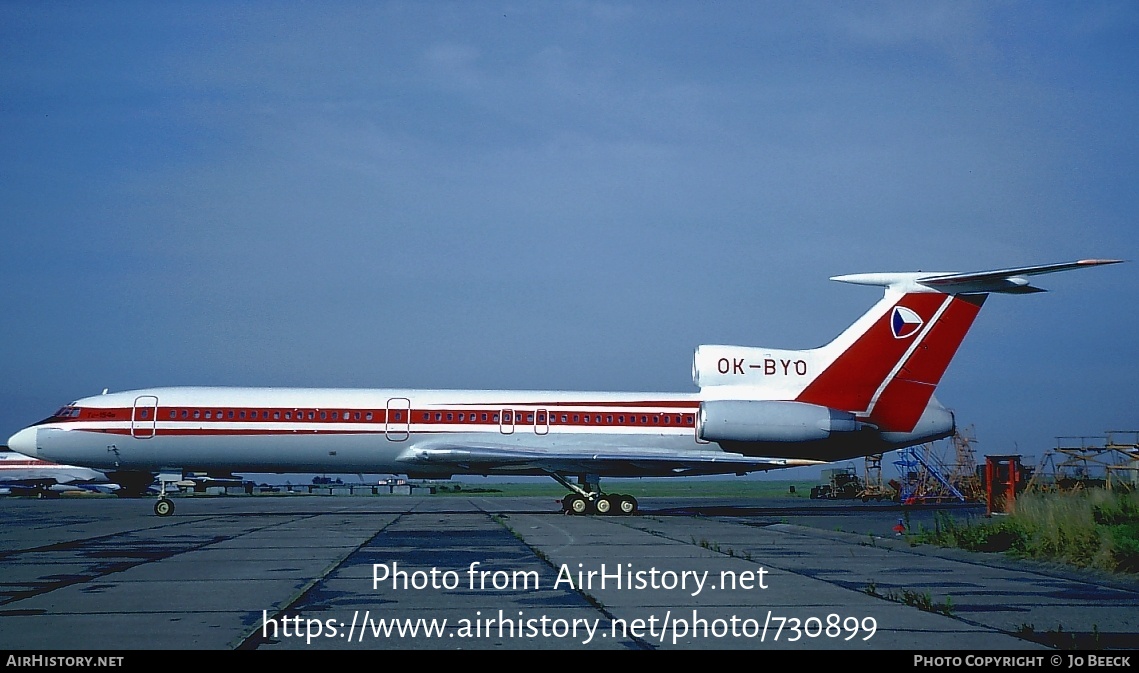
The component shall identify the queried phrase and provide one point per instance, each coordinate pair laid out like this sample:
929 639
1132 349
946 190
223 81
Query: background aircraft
24 475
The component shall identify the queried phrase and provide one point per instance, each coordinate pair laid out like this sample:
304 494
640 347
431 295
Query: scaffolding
873 488
1124 446
926 477
1081 462
964 472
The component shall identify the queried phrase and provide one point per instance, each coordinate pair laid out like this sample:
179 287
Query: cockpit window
67 412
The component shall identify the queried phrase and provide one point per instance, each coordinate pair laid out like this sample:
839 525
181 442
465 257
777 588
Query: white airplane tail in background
883 369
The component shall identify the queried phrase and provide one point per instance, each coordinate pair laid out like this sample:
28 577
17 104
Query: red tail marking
905 397
852 379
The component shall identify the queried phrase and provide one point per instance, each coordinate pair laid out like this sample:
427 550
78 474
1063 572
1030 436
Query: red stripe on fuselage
227 413
302 420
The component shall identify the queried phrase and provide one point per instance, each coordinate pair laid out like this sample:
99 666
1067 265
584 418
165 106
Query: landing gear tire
574 504
164 507
603 505
626 504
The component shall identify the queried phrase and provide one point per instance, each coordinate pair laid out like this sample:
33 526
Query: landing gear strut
587 498
164 506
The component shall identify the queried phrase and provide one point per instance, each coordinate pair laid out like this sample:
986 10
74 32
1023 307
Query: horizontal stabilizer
1007 281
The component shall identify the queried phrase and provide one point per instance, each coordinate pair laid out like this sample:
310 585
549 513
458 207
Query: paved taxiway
108 574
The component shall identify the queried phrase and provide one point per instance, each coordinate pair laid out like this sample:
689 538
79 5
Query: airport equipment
873 488
838 484
924 480
1004 478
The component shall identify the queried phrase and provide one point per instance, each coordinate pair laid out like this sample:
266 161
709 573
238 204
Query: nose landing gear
164 506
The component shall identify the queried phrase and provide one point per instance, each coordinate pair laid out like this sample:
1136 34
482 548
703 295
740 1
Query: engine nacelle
771 421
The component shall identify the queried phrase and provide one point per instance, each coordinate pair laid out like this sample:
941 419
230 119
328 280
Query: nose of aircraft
24 442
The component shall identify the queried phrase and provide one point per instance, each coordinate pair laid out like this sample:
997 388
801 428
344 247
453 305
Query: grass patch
1095 529
922 600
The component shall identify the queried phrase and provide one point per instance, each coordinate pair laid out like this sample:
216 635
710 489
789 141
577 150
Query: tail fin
885 366
888 374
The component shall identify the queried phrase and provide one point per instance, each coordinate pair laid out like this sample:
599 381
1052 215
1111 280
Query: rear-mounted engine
771 421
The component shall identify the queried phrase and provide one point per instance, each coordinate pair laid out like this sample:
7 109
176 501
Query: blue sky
559 195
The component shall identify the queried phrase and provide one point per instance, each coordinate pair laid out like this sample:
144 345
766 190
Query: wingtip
1097 262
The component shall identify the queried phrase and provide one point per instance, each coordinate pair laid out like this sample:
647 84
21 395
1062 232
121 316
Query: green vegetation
1063 640
921 600
1089 529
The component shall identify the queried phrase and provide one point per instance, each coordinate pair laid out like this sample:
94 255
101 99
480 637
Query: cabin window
276 415
368 416
185 413
438 416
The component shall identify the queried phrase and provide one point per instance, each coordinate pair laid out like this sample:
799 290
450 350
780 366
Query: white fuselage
348 430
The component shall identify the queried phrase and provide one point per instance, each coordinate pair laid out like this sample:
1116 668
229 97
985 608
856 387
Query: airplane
868 391
23 475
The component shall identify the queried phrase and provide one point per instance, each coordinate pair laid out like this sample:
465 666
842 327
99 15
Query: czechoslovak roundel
904 322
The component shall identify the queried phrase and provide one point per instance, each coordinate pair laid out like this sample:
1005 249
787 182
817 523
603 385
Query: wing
611 461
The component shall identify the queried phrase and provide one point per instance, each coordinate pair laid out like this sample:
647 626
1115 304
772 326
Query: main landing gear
587 498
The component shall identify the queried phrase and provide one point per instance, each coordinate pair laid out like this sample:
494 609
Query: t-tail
872 386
